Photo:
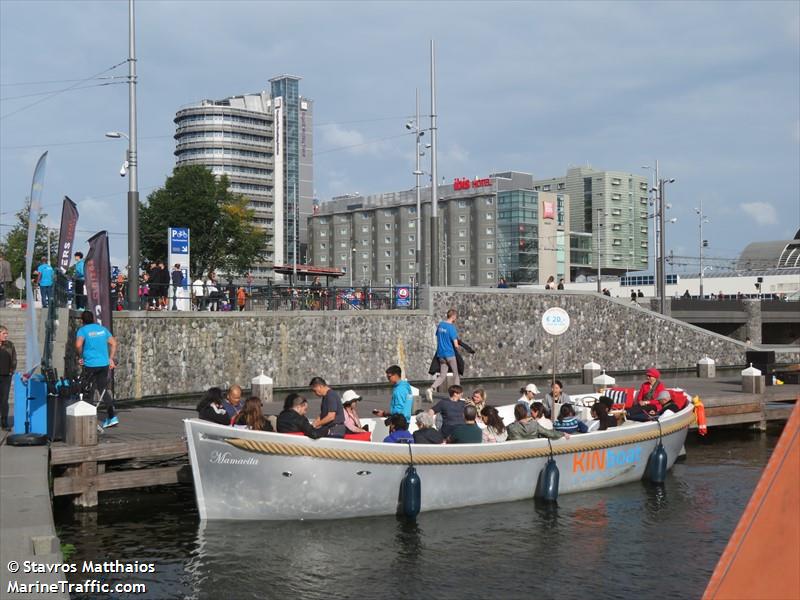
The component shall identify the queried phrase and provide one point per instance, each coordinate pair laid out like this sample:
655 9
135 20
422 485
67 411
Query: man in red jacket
652 395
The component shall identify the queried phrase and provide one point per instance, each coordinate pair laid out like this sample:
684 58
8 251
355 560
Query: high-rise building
613 207
263 142
492 227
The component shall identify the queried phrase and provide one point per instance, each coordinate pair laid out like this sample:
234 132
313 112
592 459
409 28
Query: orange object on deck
762 559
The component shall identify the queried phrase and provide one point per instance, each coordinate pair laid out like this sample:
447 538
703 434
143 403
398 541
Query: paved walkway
26 518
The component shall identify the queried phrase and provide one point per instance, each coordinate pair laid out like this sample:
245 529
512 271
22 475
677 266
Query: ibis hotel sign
463 183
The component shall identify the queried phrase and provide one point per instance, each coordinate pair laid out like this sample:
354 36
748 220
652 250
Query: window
387 266
387 226
323 246
490 275
616 196
411 251
343 230
489 216
364 242
412 224
387 240
616 181
323 258
387 280
561 186
412 266
343 244
644 244
616 212
462 233
617 242
616 227
462 218
323 234
387 213
412 210
489 245
365 215
365 255
462 247
546 188
490 260
365 229
411 237
489 201
387 253
462 276
462 204
323 220
343 257
490 231
462 262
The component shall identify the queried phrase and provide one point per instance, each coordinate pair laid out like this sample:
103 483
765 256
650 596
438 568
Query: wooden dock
148 448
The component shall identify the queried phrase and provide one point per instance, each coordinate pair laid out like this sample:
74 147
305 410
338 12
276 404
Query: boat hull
241 474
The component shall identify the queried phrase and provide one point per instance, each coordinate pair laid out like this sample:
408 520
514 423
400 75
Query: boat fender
657 464
411 490
547 484
700 415
411 493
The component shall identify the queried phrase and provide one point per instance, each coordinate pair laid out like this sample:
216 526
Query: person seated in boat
557 394
293 417
528 395
525 428
402 397
495 430
478 400
251 416
602 420
468 432
351 421
233 401
331 413
451 409
538 412
568 422
398 430
426 432
653 394
210 407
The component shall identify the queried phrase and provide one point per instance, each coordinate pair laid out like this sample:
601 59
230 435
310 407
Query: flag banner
33 354
66 237
98 279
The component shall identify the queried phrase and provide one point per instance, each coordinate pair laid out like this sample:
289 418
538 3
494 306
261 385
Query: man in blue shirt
79 279
446 347
45 272
402 396
96 350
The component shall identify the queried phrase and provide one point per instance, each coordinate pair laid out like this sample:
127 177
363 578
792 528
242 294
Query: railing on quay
333 298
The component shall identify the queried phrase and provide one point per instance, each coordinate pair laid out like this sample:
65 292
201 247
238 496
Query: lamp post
662 271
352 256
597 235
417 174
434 179
703 219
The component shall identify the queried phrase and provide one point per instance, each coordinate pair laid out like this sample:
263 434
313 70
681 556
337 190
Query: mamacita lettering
225 458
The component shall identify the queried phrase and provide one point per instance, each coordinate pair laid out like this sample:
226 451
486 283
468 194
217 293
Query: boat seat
622 397
366 436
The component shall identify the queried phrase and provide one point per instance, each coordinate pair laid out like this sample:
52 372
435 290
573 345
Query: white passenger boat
243 474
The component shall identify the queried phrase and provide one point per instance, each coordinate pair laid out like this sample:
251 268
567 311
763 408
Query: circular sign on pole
555 321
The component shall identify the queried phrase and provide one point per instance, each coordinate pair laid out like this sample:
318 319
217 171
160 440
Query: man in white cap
351 421
528 393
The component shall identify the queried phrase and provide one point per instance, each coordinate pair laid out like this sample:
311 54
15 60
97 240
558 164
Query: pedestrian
8 364
177 281
633 296
560 284
96 349
551 283
241 298
78 280
639 294
446 347
45 272
5 280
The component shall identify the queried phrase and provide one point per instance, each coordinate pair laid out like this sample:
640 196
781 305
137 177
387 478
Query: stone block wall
175 353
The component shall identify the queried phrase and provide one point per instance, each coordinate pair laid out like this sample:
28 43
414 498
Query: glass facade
288 88
518 235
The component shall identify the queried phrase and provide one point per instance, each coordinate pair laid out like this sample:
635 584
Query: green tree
16 241
223 235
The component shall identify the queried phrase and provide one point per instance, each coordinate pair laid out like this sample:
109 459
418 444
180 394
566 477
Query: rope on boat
448 458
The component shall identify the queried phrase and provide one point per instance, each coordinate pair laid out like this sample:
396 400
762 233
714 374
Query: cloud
761 212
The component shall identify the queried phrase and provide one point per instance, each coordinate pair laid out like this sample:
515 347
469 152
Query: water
630 541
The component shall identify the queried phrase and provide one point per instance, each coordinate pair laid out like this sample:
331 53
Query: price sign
555 321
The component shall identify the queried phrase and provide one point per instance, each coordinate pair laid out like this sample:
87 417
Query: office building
613 207
263 143
492 227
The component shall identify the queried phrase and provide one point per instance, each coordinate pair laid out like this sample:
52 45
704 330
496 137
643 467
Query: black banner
66 237
98 279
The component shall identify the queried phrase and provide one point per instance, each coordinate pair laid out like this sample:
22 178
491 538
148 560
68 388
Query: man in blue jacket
446 346
45 272
402 396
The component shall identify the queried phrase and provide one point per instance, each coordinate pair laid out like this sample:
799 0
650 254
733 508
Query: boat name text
225 458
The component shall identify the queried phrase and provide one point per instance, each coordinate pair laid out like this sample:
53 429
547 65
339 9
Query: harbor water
631 541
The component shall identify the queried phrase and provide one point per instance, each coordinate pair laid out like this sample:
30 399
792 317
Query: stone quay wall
184 353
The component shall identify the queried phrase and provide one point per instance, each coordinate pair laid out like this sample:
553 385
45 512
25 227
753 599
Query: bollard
706 368
82 431
590 371
602 382
752 381
261 387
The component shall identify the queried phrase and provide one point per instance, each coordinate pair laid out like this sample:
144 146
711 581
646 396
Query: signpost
403 296
555 321
178 244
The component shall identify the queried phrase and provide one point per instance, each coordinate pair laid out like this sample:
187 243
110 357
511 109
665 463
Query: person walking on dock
8 364
446 346
96 349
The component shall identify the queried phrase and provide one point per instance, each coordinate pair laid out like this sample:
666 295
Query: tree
16 242
223 235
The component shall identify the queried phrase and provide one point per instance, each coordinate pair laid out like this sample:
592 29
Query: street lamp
418 133
703 219
662 267
352 256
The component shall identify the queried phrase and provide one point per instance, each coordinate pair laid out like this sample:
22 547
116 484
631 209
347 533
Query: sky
709 89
